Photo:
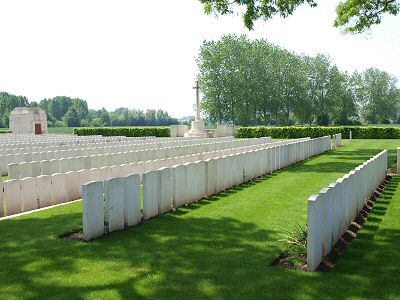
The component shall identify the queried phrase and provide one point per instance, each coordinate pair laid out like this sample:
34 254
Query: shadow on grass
369 267
347 161
175 256
166 256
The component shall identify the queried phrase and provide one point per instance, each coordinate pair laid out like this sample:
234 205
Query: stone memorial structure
178 130
26 120
225 130
198 127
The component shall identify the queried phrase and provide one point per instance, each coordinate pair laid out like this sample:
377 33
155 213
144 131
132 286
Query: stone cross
197 88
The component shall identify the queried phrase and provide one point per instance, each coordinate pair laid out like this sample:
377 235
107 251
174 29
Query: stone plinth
178 130
225 130
198 129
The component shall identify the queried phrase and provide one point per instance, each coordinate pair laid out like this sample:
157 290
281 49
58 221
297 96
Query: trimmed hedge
124 131
358 132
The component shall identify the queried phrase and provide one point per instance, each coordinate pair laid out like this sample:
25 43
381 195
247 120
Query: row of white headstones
116 202
36 192
83 148
63 165
332 210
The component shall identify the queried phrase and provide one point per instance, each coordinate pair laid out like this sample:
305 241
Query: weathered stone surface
211 177
45 168
59 188
2 212
114 198
164 204
84 177
315 232
132 200
101 160
19 158
13 171
25 170
24 120
151 194
220 162
55 166
200 180
29 194
179 197
36 170
86 162
191 179
64 165
93 210
73 186
94 161
105 173
12 189
44 190
116 171
95 174
3 165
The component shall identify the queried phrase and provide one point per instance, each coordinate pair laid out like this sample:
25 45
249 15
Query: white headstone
13 171
315 233
150 191
59 188
179 197
132 200
25 169
114 198
165 190
12 189
1 199
211 177
36 171
45 167
29 194
93 210
44 190
73 186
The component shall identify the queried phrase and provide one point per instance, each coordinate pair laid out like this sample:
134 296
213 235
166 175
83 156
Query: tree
354 16
257 83
378 96
7 103
71 118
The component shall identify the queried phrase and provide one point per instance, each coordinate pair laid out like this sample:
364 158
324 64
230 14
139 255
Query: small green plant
297 237
295 245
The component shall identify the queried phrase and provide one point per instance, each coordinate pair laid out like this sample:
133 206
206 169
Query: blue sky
141 54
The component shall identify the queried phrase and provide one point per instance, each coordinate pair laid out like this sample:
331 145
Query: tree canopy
73 112
354 16
253 82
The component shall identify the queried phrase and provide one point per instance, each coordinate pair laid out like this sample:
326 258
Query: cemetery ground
218 248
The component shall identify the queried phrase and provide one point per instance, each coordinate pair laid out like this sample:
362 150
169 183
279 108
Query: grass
219 248
61 130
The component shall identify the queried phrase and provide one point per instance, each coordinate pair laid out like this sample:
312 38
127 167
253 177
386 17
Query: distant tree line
73 112
253 82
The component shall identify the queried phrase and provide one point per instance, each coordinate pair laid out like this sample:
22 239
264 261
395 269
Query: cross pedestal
198 127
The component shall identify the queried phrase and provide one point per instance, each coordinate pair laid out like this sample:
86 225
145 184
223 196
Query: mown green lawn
61 130
219 248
